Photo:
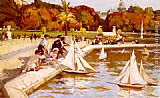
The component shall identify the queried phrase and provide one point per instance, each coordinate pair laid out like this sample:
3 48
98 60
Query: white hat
55 49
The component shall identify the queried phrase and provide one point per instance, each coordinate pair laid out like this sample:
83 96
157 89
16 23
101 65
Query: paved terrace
13 56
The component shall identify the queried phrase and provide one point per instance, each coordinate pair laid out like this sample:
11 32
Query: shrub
99 30
83 30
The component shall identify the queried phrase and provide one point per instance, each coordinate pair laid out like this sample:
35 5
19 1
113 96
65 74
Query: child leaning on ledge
52 57
34 62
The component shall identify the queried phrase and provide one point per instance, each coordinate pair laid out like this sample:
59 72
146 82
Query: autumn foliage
41 14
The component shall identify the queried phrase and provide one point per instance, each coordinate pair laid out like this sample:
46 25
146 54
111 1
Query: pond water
94 85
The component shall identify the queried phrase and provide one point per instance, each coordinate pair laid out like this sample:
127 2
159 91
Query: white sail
102 55
135 77
142 29
121 75
79 65
105 55
144 75
126 76
69 59
85 64
78 49
123 51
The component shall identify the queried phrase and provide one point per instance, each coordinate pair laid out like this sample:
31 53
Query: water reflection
95 85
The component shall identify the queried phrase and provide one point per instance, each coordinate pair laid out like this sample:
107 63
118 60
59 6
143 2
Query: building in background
121 7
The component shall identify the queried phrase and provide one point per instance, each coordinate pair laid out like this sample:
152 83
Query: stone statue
9 33
114 29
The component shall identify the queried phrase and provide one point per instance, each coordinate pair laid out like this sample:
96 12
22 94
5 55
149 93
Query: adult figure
31 38
59 43
35 36
145 51
44 44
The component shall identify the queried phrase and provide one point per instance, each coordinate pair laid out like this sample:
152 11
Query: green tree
149 11
135 9
86 18
65 16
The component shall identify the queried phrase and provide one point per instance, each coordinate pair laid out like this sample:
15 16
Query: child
34 62
52 57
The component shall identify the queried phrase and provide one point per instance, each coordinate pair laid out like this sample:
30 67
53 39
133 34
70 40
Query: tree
65 16
86 18
33 17
149 11
11 23
9 11
135 9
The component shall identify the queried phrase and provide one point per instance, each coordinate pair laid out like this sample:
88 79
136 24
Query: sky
105 5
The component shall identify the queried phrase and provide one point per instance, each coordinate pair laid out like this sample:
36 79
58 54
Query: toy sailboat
123 50
130 76
102 55
75 62
145 76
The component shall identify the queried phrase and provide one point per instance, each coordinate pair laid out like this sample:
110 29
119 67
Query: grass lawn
54 34
127 37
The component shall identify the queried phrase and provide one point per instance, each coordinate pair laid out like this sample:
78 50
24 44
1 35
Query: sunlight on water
94 85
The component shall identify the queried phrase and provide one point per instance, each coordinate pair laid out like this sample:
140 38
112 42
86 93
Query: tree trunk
65 27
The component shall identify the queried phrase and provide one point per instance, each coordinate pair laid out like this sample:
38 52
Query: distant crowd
98 41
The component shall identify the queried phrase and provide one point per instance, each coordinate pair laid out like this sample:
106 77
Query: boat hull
75 72
130 86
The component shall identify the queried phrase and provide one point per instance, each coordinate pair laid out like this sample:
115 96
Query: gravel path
13 53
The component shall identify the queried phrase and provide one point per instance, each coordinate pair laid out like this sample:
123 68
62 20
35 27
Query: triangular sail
145 76
79 65
102 55
85 64
123 51
135 77
69 59
126 76
121 75
78 49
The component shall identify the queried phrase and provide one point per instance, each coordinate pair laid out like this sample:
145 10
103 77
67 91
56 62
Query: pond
94 85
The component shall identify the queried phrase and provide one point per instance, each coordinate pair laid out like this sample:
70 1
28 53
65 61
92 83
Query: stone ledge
26 83
124 45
